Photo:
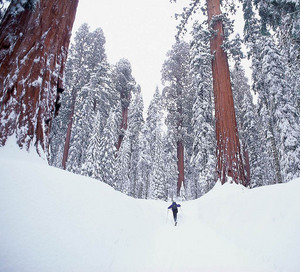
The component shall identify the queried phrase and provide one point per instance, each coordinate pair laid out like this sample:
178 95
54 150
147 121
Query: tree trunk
228 147
180 164
247 166
33 51
275 153
68 135
123 126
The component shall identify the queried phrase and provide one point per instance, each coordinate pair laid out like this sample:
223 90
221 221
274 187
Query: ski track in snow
52 220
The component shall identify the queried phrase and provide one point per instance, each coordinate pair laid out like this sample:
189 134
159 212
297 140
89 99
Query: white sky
140 30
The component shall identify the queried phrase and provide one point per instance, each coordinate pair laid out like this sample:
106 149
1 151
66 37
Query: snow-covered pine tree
275 14
278 111
170 163
107 150
123 158
255 155
124 84
76 77
284 19
91 165
289 43
80 133
203 160
90 92
154 120
157 175
177 96
157 189
285 114
34 43
274 83
135 123
254 41
265 108
129 127
144 165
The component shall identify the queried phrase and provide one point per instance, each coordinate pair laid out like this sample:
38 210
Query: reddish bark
228 147
33 51
180 164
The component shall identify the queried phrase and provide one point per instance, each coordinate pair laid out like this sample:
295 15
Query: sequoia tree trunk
229 157
33 51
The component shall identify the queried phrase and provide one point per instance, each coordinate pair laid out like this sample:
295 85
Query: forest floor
53 220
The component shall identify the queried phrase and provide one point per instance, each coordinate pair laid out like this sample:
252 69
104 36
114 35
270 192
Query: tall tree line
202 127
155 159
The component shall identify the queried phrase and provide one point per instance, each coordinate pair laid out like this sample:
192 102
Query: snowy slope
52 220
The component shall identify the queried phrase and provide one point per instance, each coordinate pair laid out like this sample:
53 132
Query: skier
174 206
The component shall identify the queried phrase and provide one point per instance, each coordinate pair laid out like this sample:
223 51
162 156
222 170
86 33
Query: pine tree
91 165
255 156
278 111
285 115
124 83
288 40
276 86
157 175
123 158
144 165
107 150
265 106
80 134
177 96
135 123
170 164
88 77
203 161
77 75
275 13
157 186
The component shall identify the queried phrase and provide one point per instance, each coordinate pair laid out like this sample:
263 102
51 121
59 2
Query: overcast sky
140 30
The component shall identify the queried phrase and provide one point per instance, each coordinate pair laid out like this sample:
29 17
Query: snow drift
53 220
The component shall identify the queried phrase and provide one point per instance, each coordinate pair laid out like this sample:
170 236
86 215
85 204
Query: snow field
52 220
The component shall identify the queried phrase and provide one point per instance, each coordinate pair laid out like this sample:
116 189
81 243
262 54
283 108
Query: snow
37 82
53 220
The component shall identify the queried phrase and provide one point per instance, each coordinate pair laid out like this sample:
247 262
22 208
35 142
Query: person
174 206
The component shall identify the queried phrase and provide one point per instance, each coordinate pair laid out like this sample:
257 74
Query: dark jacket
174 206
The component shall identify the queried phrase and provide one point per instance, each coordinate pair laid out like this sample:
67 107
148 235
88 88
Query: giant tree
34 40
228 147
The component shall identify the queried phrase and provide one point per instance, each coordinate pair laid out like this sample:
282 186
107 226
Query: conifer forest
211 122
